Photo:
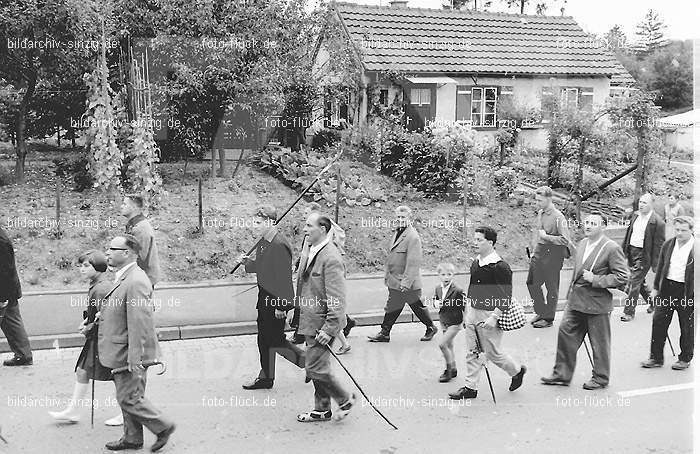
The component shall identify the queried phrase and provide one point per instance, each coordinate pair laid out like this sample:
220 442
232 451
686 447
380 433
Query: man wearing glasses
127 338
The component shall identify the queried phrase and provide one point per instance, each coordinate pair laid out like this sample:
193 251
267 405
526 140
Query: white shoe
116 421
67 415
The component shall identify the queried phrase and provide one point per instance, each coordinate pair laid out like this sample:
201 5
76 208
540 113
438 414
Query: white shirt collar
313 250
645 217
593 244
493 257
119 273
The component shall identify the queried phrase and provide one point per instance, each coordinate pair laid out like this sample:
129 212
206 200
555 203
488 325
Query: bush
325 138
76 169
505 180
6 176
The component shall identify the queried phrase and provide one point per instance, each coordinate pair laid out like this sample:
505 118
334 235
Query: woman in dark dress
92 265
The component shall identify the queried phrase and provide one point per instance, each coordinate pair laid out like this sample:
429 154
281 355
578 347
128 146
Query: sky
682 17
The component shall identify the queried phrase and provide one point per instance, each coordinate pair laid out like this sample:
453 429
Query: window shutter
464 101
585 101
545 105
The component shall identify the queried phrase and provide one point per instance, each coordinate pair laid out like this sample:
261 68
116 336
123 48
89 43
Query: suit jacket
273 266
405 255
665 263
10 288
608 264
321 293
127 331
654 236
453 301
148 255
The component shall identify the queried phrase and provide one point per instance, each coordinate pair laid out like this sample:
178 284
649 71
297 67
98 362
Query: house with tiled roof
460 65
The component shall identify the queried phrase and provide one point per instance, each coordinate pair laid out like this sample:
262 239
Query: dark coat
10 288
665 263
273 266
654 237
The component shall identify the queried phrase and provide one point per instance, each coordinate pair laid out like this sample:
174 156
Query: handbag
513 318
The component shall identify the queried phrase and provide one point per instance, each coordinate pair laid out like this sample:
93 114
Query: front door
419 105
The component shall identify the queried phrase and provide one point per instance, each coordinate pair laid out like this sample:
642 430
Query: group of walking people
118 325
121 337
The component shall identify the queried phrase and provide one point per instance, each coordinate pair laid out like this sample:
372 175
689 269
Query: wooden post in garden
201 223
58 206
464 206
338 186
213 163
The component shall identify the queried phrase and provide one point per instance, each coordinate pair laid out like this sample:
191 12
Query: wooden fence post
338 186
201 223
58 206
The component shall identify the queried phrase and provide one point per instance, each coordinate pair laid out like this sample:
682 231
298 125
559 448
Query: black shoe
463 393
650 309
163 438
350 325
18 361
381 336
517 380
542 323
260 383
297 339
535 319
122 444
447 375
554 381
430 332
627 317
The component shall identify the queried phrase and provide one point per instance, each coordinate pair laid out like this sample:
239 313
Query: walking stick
94 372
279 218
670 345
588 351
359 387
488 376
1 437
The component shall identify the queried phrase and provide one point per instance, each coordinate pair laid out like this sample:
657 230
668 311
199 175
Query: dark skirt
86 361
451 317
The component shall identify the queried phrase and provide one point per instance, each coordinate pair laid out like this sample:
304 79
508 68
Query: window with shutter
384 97
569 97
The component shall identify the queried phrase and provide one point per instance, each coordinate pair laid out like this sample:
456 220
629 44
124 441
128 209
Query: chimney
399 3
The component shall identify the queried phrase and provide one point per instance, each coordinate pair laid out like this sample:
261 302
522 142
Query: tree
638 113
671 75
35 55
650 34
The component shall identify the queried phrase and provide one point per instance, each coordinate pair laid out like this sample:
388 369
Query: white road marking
655 390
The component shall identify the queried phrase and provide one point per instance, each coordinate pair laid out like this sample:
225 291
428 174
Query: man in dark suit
10 318
402 277
321 299
273 266
127 338
674 285
600 265
643 240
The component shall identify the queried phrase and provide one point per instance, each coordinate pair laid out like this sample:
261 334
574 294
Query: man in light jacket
402 277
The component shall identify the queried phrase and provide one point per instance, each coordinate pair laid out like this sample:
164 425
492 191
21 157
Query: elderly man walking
402 277
140 227
321 299
600 265
127 338
643 240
